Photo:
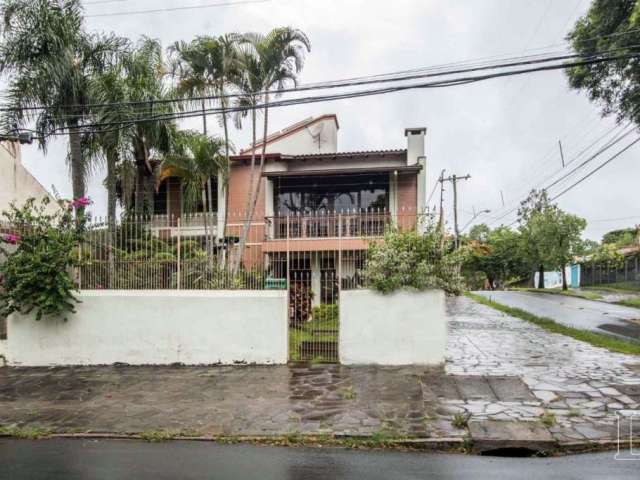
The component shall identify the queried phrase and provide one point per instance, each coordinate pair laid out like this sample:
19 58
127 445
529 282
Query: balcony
185 225
330 226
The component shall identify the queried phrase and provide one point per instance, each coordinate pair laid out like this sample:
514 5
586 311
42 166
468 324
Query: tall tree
196 158
534 217
271 63
49 60
609 26
145 90
496 253
209 66
566 230
550 237
109 145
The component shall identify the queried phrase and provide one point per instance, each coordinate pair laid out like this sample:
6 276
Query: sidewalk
499 368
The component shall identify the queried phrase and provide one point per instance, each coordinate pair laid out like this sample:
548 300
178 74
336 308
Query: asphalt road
574 312
113 460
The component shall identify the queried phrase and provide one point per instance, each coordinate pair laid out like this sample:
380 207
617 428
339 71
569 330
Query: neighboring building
16 183
318 207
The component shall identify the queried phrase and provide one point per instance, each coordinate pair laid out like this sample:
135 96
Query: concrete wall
16 183
157 327
402 328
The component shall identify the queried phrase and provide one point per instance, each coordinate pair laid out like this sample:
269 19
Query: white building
16 183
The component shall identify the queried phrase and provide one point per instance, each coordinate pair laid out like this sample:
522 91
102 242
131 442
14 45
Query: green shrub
36 274
413 259
325 312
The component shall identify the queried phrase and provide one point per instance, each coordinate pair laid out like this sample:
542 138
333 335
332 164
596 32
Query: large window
327 194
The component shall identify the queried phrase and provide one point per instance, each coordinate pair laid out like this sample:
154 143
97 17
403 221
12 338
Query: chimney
415 156
415 144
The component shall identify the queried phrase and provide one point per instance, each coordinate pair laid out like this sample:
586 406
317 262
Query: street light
474 217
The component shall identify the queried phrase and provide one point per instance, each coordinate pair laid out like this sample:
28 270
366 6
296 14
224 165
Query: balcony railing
351 225
190 220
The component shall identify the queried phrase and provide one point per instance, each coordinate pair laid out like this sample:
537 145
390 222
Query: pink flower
11 238
80 202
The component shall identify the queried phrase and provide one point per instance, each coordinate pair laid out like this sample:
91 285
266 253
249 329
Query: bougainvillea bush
417 259
37 257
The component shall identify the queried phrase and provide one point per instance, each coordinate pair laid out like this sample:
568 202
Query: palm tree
271 62
195 160
208 66
109 145
49 61
145 89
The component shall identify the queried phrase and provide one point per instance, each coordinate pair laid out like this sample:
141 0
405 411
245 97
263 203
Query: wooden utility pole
454 180
441 219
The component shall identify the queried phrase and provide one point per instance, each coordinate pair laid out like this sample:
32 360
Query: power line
175 9
427 72
592 172
607 146
347 95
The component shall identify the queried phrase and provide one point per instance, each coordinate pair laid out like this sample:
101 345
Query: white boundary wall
157 327
403 328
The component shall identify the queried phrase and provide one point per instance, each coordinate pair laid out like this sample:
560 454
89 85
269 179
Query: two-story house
318 207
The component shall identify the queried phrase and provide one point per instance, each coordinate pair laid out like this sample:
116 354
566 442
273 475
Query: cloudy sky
503 132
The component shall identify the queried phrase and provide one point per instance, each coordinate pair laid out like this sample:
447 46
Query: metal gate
313 306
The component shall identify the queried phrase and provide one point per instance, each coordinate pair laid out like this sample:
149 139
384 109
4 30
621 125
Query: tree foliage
621 238
36 271
609 26
497 254
550 236
411 259
49 59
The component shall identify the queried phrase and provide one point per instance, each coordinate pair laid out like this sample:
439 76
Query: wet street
113 460
600 317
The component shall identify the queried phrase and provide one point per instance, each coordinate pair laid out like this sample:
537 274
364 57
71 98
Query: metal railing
324 225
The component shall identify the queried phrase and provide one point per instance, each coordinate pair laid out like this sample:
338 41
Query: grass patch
566 293
29 433
155 436
322 330
595 339
349 393
616 287
460 420
548 419
629 302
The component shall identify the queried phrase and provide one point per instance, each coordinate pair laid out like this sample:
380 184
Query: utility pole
561 152
454 180
441 219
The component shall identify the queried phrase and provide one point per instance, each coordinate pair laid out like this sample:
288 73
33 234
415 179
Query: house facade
318 207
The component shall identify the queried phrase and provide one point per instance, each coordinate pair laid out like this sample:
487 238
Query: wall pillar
269 206
222 207
393 196
316 284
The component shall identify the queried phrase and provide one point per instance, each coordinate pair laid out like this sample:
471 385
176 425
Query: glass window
328 194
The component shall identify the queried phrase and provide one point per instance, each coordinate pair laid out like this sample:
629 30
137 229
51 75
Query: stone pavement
498 368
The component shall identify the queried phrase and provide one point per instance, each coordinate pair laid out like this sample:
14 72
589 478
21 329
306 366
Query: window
335 193
160 200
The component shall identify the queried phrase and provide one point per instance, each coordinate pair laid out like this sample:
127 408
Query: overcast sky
503 132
